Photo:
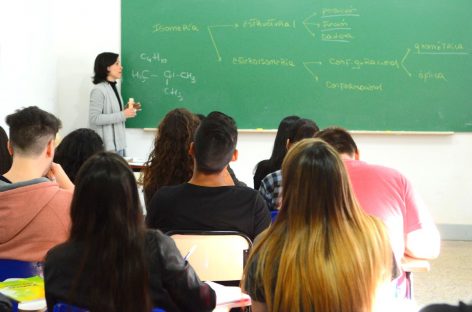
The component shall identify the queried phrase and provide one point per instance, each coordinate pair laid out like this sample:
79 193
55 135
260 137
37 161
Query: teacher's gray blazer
106 118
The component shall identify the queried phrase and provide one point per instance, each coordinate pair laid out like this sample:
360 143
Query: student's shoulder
155 237
262 166
245 192
65 194
376 169
158 243
272 178
168 193
390 174
63 251
244 189
171 190
61 199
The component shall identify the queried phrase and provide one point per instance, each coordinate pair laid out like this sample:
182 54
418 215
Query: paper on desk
35 305
137 161
228 294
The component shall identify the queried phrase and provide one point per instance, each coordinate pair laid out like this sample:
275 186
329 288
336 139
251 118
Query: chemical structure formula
156 69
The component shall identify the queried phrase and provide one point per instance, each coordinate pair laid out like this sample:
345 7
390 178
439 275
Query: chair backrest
19 269
217 256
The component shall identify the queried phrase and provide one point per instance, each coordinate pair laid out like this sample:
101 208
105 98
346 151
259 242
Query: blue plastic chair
19 269
63 307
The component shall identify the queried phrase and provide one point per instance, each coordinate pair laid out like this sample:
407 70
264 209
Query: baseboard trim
455 231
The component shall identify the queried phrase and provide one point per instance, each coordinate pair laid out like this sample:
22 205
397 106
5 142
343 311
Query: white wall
27 59
83 29
439 166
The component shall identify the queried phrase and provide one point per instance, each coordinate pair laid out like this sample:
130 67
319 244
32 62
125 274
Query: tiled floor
450 278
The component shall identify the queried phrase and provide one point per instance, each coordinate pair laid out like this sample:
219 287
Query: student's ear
235 155
287 144
356 155
191 149
10 148
50 149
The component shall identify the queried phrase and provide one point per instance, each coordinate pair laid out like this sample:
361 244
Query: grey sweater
106 118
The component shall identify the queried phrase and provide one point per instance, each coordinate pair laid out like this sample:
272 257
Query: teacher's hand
130 112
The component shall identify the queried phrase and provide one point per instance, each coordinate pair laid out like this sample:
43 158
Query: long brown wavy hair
169 162
323 253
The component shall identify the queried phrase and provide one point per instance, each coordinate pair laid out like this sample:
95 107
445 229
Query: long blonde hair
323 253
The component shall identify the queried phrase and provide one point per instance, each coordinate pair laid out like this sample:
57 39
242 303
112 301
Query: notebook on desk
229 294
28 292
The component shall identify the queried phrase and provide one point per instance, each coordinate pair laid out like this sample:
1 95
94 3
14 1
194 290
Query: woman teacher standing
107 113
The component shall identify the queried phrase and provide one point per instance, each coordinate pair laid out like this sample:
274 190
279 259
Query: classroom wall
27 60
47 59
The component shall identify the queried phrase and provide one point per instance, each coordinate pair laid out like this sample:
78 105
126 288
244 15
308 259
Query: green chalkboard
363 65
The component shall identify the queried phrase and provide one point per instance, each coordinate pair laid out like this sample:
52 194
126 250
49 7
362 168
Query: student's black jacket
174 285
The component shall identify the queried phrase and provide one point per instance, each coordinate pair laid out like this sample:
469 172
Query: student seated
169 162
266 166
5 157
323 253
110 261
385 193
231 176
35 194
210 201
76 148
271 185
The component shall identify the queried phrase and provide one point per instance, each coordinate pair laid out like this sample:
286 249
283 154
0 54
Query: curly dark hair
169 162
76 148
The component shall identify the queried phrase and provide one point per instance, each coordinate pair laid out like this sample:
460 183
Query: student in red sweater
35 194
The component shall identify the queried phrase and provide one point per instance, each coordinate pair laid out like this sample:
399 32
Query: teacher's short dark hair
102 61
215 142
